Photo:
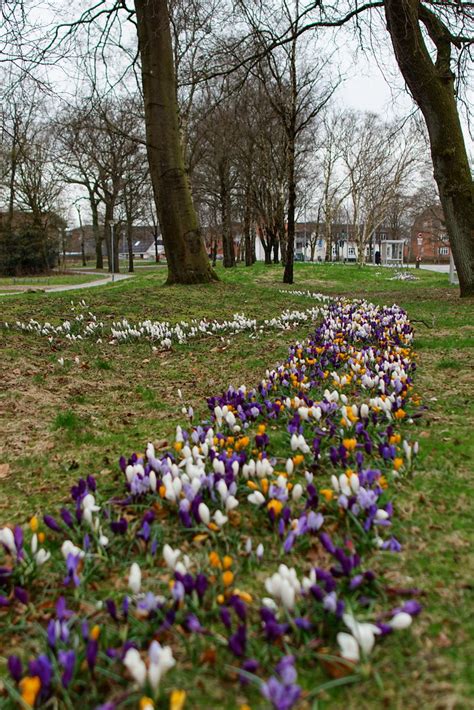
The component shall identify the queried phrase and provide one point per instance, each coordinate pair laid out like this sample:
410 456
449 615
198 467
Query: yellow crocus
30 687
177 699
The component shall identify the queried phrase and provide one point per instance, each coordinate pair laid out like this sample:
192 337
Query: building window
351 251
443 251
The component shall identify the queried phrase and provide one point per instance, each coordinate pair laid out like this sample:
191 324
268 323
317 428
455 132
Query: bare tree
378 159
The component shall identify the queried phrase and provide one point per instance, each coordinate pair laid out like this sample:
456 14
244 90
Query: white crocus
401 621
297 492
88 507
231 503
135 665
256 498
161 660
7 539
220 519
69 548
348 646
135 578
364 633
204 514
170 556
354 483
42 556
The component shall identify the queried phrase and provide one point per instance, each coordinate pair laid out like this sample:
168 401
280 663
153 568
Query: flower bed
83 325
245 553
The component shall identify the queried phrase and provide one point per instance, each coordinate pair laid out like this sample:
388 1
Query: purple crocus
51 523
282 692
92 650
68 660
21 595
42 667
238 641
119 527
15 667
72 563
67 517
193 624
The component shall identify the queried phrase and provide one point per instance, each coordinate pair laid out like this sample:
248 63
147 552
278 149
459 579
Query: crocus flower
68 661
135 578
51 523
15 667
7 539
161 660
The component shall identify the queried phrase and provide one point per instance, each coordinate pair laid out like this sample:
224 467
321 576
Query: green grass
62 422
54 279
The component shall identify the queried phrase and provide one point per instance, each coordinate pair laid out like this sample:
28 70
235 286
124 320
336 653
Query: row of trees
348 167
265 44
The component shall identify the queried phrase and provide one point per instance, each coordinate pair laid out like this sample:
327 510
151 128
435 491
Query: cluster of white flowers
164 334
404 276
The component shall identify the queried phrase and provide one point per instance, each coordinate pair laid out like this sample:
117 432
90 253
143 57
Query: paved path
439 268
70 287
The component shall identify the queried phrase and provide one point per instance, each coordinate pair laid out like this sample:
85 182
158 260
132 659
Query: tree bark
99 259
267 244
130 246
224 197
185 252
290 235
432 87
247 227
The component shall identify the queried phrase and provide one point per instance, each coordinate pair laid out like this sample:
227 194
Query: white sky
372 81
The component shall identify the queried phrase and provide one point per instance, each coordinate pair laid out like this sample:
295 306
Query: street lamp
112 224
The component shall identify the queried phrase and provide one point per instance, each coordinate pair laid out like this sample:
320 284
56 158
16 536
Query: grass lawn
20 283
60 422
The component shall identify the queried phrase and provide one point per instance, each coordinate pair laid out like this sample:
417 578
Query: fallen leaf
4 470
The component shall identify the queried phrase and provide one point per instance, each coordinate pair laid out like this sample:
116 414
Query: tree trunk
276 250
109 215
185 252
432 87
99 259
130 246
224 197
266 242
247 228
290 235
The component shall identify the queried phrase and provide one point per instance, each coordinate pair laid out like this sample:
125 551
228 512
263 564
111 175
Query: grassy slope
61 422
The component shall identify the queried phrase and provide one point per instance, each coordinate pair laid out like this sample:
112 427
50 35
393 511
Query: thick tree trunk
185 251
432 87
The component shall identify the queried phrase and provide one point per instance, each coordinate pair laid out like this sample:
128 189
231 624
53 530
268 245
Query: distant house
429 239
143 242
311 243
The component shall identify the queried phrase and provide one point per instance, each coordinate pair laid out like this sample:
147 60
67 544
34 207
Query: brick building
429 239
